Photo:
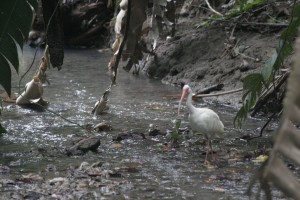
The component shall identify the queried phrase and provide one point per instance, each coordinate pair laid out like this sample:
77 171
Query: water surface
135 103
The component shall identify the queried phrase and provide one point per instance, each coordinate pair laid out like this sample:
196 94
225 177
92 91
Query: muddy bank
222 53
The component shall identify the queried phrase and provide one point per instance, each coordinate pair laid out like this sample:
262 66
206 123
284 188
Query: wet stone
83 146
5 182
129 135
102 127
51 168
155 132
4 169
32 195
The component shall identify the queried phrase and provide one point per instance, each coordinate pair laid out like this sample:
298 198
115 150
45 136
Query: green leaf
252 86
5 74
15 20
252 82
240 116
9 50
268 68
177 124
2 129
284 48
291 32
296 11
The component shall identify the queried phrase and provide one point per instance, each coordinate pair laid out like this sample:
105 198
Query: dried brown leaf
101 105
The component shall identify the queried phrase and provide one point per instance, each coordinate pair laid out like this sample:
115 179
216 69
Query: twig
213 10
218 94
207 90
263 128
208 95
249 57
263 24
53 112
268 93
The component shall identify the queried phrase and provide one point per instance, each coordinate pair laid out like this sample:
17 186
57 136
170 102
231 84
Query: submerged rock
102 127
4 169
82 146
155 132
129 135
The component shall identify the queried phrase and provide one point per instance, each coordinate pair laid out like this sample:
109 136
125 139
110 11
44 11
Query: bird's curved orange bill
184 94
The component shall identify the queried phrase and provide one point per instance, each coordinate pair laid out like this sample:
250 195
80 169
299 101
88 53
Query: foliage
175 134
253 84
240 7
243 6
15 20
2 129
274 171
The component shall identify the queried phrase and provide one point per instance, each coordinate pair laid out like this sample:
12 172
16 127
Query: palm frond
261 82
15 20
287 144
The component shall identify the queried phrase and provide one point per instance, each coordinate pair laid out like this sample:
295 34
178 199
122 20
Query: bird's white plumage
205 120
202 120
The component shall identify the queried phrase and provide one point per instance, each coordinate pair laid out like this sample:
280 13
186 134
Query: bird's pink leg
214 159
208 149
205 161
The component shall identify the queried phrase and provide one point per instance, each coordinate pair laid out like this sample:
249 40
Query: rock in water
84 145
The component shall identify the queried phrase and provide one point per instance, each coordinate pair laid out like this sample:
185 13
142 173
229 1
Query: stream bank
223 52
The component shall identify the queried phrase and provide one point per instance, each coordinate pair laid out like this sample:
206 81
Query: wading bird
202 120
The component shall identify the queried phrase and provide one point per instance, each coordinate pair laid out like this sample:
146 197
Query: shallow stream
135 103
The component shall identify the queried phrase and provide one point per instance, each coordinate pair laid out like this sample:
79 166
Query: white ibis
202 120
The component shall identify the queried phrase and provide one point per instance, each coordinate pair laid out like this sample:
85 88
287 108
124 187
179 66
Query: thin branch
265 96
213 10
263 128
218 94
263 24
208 95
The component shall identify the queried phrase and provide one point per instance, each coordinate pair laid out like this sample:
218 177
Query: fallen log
210 89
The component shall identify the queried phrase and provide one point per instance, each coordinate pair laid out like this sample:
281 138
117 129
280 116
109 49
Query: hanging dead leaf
111 66
33 90
101 105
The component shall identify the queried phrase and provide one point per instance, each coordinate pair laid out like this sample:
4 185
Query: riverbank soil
223 52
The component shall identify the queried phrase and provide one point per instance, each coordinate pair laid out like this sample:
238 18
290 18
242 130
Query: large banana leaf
287 144
15 20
